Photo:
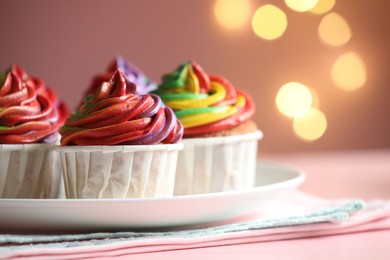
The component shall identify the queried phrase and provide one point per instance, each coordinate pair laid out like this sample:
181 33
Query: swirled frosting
116 115
133 74
30 111
204 103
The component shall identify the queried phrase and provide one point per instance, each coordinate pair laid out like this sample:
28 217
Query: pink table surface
341 174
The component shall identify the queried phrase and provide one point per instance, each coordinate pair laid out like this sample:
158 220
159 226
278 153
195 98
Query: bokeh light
301 5
232 14
294 99
310 126
349 72
334 30
269 22
323 6
315 99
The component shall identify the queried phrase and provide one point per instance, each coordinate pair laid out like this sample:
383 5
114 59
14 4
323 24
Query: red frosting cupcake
30 117
120 144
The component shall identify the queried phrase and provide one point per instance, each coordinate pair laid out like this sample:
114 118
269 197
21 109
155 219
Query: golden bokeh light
294 99
269 22
301 5
323 6
232 14
315 99
349 72
334 30
310 126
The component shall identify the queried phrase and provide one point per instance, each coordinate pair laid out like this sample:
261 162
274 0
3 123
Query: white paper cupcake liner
217 164
119 171
29 171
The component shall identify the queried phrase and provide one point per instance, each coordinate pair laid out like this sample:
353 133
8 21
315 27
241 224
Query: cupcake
120 144
220 138
30 117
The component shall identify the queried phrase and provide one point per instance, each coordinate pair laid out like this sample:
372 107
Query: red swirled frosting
30 111
116 115
133 74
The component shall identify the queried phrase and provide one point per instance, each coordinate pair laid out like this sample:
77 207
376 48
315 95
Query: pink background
67 42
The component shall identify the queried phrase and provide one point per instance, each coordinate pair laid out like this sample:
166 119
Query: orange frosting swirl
30 111
116 115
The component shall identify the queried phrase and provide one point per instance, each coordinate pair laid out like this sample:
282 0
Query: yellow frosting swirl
204 103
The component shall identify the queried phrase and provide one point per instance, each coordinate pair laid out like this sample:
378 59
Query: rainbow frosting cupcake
220 139
120 144
30 117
